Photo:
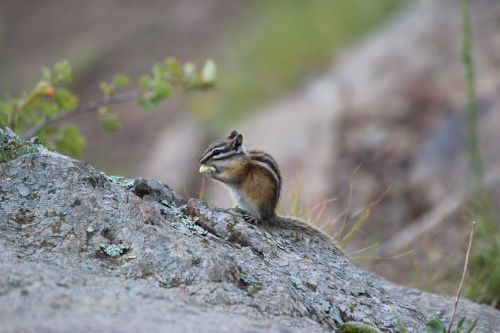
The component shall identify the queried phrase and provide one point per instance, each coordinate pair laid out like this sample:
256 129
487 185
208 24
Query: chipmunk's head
221 154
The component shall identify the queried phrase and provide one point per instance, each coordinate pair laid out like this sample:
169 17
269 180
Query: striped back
268 163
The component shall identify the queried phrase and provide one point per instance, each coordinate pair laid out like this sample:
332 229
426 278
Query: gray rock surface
186 267
435 305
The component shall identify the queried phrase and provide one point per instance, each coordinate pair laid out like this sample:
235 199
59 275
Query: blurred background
362 103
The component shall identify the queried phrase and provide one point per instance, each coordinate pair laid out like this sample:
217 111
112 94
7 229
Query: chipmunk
254 181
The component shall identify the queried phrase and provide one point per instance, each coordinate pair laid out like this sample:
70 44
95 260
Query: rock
182 266
152 190
427 303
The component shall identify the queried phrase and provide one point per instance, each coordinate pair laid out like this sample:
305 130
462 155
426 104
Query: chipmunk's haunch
253 178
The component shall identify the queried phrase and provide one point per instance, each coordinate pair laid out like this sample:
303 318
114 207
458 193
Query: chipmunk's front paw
245 215
250 219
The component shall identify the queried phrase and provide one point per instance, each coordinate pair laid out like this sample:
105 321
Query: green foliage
65 99
281 44
470 78
60 73
484 283
51 100
209 73
435 325
11 148
111 122
157 86
121 81
45 100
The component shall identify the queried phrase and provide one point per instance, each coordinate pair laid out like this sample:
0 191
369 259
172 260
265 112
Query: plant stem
91 107
470 77
464 272
25 103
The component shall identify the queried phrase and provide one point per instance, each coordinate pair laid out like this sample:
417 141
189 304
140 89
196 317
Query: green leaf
174 67
472 326
65 99
459 325
70 141
159 71
62 72
106 88
161 91
209 72
147 104
111 122
435 325
41 87
144 82
121 81
104 111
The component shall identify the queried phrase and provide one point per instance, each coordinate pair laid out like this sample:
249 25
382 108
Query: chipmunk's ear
238 141
232 135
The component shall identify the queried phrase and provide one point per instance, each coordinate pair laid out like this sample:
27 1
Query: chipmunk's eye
216 152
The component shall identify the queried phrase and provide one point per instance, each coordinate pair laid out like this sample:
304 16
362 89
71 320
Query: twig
457 298
91 107
26 102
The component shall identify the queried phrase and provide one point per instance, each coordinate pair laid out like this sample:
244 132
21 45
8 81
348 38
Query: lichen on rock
114 250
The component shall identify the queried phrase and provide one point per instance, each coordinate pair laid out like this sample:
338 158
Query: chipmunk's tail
301 227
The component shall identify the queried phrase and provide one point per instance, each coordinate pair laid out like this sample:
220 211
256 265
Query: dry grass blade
346 213
355 228
317 213
396 256
296 208
457 298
